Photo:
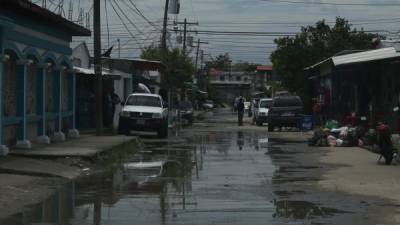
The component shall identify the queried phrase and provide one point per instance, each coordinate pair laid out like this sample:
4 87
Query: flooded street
213 172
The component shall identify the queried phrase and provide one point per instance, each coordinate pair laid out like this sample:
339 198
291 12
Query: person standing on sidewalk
240 110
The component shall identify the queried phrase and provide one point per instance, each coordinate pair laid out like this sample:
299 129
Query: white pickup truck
261 111
144 112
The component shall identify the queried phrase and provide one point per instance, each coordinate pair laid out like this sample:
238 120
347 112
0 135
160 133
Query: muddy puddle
212 177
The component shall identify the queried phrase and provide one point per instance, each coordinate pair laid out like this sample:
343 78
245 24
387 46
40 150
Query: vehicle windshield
144 101
185 105
266 104
288 102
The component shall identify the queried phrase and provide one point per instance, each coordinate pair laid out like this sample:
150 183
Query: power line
127 17
122 21
139 12
332 3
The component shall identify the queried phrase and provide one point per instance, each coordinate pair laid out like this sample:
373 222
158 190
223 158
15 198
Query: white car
262 109
144 112
208 105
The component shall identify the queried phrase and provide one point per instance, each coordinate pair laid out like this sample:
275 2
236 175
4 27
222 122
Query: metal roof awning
106 73
134 64
359 57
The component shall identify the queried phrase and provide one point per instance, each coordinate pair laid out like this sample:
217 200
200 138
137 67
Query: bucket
307 123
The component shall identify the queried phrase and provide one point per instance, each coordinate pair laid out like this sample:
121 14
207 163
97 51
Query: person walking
240 110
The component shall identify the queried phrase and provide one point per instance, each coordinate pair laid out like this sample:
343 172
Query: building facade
229 85
37 81
364 83
262 77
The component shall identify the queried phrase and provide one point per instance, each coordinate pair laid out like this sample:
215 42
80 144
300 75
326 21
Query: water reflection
240 140
156 185
58 208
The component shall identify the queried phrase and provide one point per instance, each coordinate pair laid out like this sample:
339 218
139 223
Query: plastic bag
330 124
331 141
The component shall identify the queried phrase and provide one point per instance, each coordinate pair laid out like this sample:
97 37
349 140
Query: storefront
365 84
36 75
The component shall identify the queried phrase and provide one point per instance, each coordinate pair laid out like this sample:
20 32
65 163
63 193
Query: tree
314 44
221 62
179 66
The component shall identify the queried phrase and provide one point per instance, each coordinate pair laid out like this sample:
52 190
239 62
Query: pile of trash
335 135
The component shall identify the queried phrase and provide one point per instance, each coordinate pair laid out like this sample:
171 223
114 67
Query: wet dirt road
213 172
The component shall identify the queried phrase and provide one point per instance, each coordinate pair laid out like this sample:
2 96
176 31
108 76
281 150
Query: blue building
37 80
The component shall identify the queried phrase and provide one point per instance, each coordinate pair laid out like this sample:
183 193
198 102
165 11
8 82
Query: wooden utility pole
185 23
164 31
97 66
119 48
184 35
197 57
198 50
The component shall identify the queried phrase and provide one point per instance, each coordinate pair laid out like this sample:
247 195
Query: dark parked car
186 110
286 111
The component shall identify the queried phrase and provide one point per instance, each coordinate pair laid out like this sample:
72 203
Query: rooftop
264 68
45 16
359 57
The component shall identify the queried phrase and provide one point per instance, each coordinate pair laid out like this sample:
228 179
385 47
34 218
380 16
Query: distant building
37 80
229 85
264 74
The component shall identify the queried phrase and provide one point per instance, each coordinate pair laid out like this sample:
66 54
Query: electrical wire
122 21
332 3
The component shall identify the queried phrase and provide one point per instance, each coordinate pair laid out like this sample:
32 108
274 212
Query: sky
136 31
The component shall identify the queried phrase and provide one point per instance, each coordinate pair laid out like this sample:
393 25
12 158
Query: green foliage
221 62
314 44
179 66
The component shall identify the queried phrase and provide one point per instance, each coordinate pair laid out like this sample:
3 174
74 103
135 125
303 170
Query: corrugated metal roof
367 56
360 57
105 72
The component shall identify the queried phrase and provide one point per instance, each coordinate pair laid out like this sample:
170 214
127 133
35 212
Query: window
144 101
266 104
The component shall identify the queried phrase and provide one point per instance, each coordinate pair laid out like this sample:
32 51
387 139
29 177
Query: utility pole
97 66
197 57
198 50
119 48
184 36
164 31
185 23
202 83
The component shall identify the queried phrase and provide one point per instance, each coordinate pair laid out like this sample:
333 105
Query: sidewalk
27 177
86 146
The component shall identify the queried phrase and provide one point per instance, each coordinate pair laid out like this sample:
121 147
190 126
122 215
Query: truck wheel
259 123
163 131
270 128
123 130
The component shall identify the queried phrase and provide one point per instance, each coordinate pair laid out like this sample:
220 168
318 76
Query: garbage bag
331 141
339 142
318 139
330 124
